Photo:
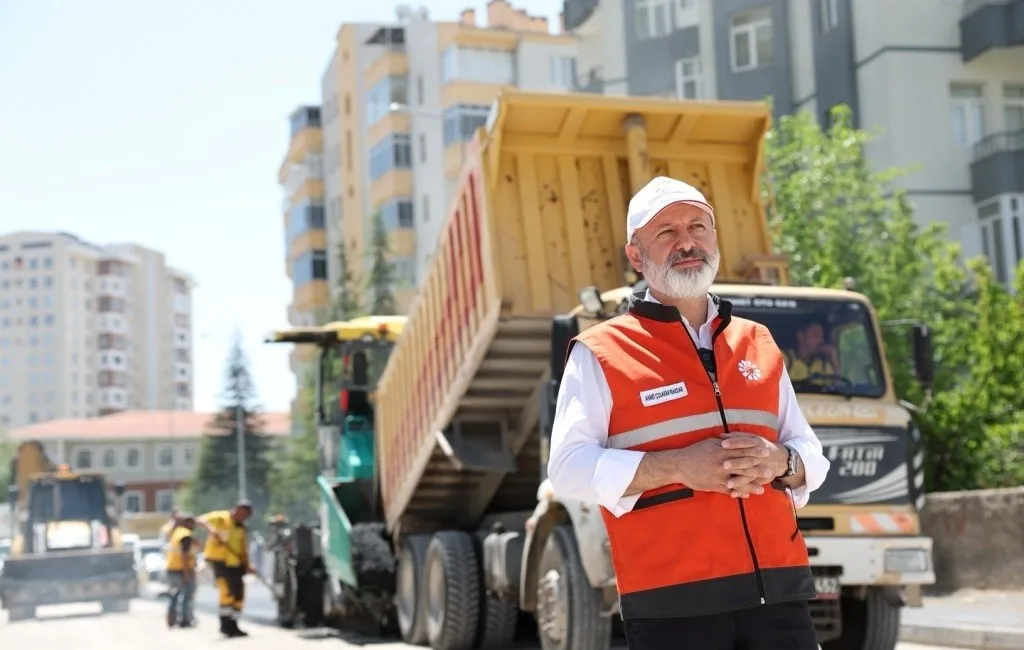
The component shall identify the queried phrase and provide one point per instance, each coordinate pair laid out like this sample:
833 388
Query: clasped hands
737 464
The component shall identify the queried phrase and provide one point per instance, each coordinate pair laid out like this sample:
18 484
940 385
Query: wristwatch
792 461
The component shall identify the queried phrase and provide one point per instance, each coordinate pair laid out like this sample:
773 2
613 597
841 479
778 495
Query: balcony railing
998 165
990 24
998 142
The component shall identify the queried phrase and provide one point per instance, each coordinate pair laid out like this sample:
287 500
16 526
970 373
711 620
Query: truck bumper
37 593
888 561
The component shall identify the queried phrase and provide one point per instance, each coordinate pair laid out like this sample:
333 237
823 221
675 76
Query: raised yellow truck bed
539 211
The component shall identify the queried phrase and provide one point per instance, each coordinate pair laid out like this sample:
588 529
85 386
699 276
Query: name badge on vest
664 394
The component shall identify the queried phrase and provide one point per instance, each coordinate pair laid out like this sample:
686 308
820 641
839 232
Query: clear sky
164 123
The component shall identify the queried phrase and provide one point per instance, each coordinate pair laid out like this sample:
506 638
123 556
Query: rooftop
136 425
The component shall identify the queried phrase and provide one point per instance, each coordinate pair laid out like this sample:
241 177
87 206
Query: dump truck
464 405
66 546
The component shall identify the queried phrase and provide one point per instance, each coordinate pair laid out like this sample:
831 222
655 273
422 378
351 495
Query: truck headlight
906 560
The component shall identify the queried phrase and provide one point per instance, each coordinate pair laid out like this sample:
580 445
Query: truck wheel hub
551 609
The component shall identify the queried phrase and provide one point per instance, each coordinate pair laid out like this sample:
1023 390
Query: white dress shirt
581 467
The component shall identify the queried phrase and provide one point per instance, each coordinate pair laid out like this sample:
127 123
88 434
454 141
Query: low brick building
153 452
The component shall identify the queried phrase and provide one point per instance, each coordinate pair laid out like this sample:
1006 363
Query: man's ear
633 255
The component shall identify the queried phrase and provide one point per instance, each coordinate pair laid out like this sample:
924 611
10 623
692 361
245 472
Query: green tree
294 490
346 303
381 283
215 483
7 450
834 217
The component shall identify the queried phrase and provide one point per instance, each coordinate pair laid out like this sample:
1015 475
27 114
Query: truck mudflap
357 554
59 578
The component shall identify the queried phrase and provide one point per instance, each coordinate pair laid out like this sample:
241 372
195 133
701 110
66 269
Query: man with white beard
680 421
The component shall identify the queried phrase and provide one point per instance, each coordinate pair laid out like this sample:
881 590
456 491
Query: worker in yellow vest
227 551
181 553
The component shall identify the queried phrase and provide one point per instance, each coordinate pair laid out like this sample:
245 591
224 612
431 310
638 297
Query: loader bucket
353 541
56 578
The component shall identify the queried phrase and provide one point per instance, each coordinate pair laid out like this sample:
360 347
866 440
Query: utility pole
240 431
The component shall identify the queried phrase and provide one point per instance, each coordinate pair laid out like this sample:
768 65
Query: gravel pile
372 558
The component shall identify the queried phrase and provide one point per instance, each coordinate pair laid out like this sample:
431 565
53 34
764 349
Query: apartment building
399 102
152 452
88 330
306 251
942 80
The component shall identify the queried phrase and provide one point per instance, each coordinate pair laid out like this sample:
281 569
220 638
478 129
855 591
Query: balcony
990 24
182 371
181 304
112 324
998 165
112 398
182 337
576 12
113 361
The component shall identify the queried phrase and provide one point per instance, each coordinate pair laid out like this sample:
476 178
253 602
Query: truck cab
861 526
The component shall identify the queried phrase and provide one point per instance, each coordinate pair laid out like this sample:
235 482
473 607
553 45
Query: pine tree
346 298
382 272
294 491
215 484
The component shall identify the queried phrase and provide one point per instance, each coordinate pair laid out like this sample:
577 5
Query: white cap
657 195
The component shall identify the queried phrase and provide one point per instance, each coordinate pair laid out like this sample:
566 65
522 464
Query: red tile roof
132 425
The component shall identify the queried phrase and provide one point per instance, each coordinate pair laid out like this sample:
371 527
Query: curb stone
964 636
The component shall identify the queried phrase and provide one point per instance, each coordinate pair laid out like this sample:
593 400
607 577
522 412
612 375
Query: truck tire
453 591
569 610
869 624
498 620
410 593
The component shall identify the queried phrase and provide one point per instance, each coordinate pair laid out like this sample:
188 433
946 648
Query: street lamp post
240 430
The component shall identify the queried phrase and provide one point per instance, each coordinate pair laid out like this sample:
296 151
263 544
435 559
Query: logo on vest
749 370
663 394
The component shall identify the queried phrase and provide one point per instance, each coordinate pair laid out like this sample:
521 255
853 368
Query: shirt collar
712 306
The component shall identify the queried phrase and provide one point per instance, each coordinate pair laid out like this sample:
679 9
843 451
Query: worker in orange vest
680 421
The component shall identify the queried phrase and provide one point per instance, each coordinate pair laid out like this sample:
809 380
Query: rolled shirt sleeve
796 433
579 464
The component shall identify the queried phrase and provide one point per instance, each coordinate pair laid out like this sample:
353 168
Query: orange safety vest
680 552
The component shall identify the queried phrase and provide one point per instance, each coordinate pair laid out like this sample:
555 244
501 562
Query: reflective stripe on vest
681 552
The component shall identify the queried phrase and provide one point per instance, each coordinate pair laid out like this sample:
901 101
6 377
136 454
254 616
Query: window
562 71
311 265
419 90
967 113
383 94
134 501
165 456
686 13
164 500
462 120
305 117
83 459
478 64
393 152
689 83
109 459
190 455
422 146
829 10
1013 107
306 216
653 18
750 39
425 216
397 213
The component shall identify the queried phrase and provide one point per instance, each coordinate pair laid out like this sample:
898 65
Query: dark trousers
784 626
